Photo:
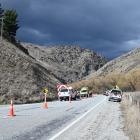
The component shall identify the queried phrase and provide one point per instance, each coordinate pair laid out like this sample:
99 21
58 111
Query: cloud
105 26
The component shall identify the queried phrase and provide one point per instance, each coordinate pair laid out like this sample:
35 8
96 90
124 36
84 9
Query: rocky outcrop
26 70
68 63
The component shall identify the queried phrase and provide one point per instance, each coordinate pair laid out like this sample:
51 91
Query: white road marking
74 122
4 116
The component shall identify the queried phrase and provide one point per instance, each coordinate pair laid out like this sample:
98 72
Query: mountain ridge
121 64
67 60
23 76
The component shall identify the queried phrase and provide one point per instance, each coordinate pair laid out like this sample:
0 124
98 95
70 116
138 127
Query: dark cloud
109 27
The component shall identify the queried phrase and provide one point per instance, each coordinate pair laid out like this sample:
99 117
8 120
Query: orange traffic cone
11 112
45 105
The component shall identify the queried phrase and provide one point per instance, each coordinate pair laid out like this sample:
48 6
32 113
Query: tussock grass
130 105
131 114
126 81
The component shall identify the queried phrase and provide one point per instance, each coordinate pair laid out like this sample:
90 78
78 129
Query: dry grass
130 106
131 114
127 82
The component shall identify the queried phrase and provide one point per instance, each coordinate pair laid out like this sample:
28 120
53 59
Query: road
87 119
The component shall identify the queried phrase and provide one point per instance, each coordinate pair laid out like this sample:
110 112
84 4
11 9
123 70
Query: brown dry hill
68 63
21 77
122 64
25 71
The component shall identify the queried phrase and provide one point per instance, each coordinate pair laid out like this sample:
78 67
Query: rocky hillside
68 63
25 71
122 64
21 77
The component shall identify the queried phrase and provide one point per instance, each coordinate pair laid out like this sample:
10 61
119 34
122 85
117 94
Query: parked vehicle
84 92
115 95
106 93
66 93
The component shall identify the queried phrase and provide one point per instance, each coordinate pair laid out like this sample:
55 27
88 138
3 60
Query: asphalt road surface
87 119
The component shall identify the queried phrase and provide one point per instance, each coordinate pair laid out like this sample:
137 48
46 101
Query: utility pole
1 34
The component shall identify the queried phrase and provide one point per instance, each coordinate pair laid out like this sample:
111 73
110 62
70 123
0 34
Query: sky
109 27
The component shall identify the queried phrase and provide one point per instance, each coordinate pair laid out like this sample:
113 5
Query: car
64 94
115 95
84 92
106 93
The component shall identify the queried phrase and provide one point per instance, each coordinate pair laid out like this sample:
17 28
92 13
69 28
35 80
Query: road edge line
74 122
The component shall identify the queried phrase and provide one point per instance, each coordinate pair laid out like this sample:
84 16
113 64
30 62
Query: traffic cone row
11 110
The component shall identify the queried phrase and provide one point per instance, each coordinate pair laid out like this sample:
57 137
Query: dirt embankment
131 111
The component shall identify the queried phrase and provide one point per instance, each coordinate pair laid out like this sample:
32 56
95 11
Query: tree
10 24
1 14
1 11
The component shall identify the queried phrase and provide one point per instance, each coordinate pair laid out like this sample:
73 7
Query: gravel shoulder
103 123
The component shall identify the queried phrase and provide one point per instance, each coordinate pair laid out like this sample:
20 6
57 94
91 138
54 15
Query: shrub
127 82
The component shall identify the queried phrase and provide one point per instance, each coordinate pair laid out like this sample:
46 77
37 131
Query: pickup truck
66 92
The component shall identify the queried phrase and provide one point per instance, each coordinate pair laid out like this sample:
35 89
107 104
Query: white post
45 98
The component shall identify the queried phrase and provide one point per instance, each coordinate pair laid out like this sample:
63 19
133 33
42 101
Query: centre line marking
74 122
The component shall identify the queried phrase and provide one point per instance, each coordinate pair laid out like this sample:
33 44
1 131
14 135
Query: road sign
45 97
46 91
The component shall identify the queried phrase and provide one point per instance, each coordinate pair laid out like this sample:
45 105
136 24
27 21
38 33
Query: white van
64 94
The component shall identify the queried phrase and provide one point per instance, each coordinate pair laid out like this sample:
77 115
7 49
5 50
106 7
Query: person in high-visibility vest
116 87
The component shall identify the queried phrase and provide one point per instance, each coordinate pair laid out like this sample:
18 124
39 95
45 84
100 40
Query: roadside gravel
103 123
